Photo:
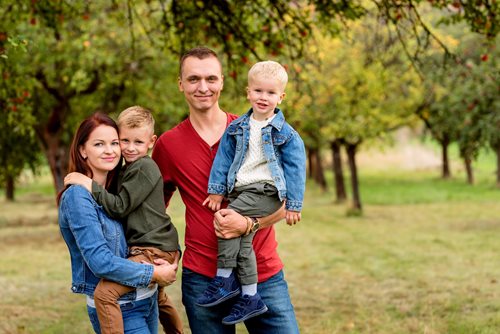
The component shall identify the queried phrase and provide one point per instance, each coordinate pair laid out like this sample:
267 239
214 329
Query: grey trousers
254 200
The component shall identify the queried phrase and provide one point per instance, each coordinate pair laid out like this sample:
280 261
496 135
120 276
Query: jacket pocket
279 139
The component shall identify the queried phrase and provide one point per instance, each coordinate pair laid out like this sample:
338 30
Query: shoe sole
223 299
248 316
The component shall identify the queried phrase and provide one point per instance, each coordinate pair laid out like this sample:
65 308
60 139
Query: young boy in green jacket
139 203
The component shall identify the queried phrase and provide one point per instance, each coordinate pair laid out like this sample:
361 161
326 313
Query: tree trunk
468 169
495 146
338 172
55 150
311 159
446 173
497 151
351 158
57 156
316 171
9 188
320 172
51 133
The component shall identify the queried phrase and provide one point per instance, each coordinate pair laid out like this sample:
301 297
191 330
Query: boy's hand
213 202
292 217
78 178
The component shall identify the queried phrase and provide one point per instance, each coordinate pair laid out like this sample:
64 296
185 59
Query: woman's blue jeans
279 319
139 317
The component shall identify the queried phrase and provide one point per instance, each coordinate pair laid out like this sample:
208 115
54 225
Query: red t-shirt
185 160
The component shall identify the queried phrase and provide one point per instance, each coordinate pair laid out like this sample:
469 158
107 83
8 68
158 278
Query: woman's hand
164 273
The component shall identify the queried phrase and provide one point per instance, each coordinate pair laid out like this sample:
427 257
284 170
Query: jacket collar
277 121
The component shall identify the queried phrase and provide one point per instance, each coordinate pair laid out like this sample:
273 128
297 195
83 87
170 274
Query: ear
152 142
282 97
179 83
248 93
83 153
222 82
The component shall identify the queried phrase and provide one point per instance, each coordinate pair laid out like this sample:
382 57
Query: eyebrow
195 76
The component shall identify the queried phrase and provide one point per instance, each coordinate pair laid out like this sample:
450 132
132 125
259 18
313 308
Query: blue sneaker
220 289
246 307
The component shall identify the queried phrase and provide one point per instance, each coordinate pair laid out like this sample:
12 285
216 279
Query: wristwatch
255 224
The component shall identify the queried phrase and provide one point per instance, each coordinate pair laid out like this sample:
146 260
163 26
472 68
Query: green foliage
74 58
481 16
357 87
464 97
19 148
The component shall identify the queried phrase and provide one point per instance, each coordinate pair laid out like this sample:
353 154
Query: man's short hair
200 52
269 69
136 117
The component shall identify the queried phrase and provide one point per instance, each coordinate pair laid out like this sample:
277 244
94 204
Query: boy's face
264 95
136 142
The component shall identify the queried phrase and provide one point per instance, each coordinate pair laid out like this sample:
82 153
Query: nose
203 86
108 149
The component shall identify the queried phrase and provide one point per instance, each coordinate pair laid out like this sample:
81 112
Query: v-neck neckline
201 138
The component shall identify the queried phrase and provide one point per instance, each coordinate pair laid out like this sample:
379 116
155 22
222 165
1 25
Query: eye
125 141
139 142
98 144
115 143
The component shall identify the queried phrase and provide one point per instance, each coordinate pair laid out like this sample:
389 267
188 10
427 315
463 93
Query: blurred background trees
358 71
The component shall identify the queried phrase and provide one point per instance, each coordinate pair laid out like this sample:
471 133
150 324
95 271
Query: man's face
201 82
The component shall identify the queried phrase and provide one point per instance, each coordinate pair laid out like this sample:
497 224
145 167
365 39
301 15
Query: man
185 155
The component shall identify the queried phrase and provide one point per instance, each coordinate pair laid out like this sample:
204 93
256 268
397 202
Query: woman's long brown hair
76 162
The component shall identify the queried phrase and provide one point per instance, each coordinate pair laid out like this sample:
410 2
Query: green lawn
422 259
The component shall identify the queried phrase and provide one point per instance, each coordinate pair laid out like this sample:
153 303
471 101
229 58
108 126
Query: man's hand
292 217
164 273
78 178
213 202
229 224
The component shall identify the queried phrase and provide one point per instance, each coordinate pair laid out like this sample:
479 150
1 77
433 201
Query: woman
96 242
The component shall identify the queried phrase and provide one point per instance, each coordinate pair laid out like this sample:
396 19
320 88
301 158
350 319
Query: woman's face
102 150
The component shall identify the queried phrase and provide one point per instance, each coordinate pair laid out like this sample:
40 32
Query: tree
85 56
462 101
361 91
17 138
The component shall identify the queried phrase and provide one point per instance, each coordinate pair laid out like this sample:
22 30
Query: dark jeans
279 319
254 200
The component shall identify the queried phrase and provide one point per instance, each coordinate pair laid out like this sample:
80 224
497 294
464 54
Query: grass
423 258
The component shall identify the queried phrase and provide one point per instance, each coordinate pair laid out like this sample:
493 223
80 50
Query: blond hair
136 117
269 70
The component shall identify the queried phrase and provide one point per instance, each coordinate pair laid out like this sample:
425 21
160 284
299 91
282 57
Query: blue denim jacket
284 151
96 245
